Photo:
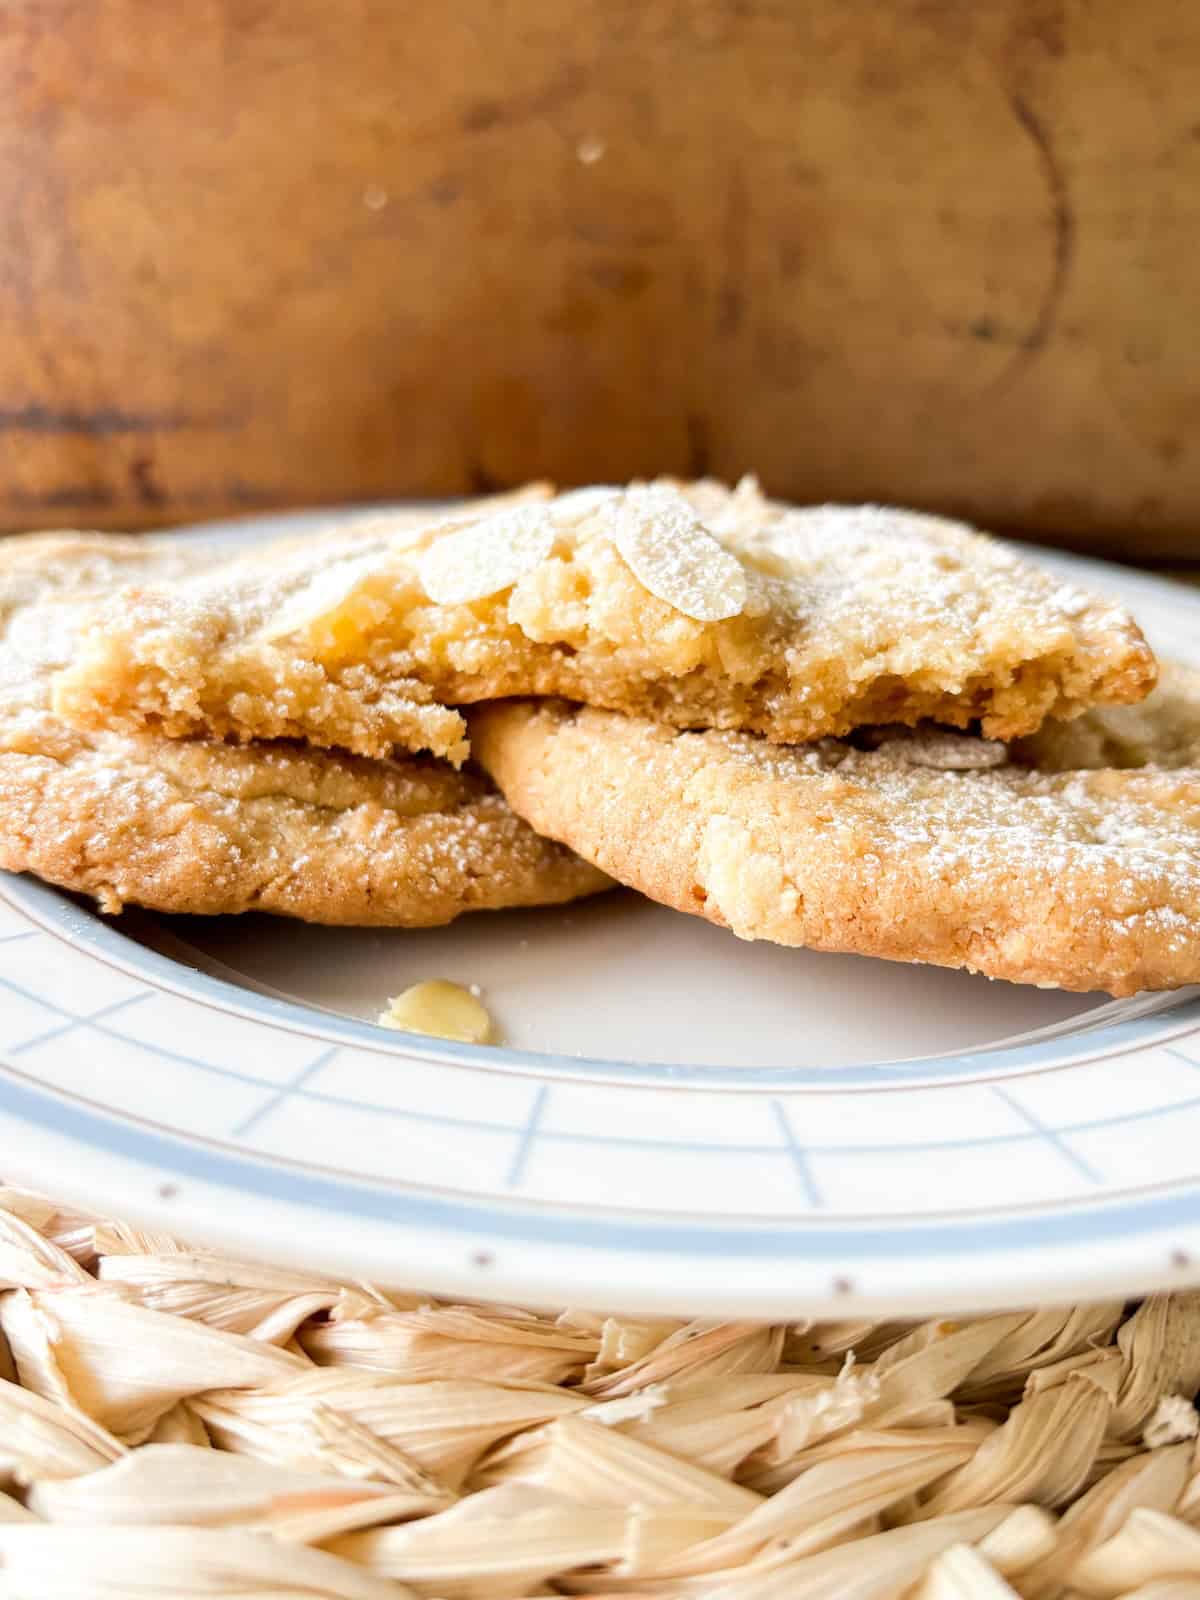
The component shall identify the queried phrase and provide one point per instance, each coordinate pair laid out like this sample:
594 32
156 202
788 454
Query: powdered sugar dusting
1119 849
923 587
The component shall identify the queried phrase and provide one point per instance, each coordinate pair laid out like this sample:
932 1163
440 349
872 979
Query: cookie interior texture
921 847
691 604
197 826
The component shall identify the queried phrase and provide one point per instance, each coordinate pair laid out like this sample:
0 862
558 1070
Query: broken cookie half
689 604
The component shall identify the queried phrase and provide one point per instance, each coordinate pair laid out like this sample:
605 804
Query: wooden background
257 254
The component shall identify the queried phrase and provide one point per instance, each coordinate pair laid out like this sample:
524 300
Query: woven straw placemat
177 1423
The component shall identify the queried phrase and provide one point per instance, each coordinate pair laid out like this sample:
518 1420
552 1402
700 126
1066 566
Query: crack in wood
1063 220
105 420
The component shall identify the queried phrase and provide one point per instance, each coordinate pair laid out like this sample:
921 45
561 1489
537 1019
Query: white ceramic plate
678 1120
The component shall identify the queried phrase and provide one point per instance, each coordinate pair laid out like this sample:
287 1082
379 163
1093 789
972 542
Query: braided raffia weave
175 1423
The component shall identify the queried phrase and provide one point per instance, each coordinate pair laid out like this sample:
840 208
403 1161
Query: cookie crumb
441 1009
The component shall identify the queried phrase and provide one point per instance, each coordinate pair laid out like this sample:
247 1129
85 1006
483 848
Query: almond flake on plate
672 554
484 558
441 1009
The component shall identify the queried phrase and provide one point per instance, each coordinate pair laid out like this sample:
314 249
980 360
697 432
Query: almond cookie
690 604
203 827
927 845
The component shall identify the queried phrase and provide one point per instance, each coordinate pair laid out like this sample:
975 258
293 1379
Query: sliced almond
672 554
486 557
441 1009
326 593
944 750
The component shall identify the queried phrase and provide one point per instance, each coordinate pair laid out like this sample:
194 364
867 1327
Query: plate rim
41 902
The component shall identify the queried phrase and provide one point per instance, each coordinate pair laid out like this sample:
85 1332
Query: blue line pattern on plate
529 1131
528 1134
811 1193
292 1087
192 1158
1053 1136
88 1020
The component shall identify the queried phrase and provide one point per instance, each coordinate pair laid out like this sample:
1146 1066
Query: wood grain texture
256 254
